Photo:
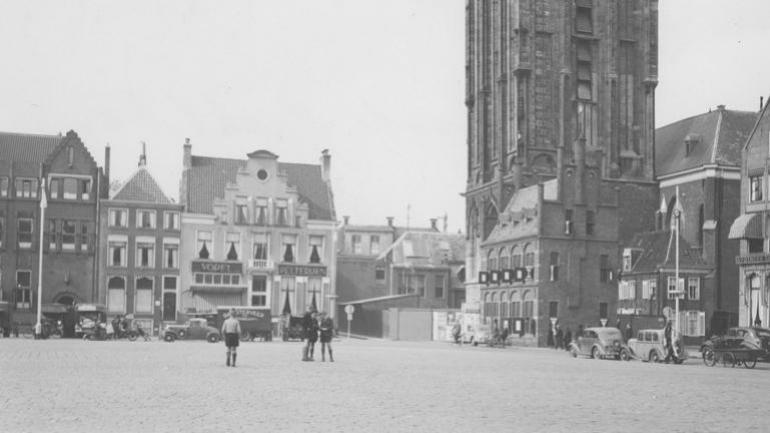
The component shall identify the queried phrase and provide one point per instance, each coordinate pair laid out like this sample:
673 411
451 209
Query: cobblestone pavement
77 386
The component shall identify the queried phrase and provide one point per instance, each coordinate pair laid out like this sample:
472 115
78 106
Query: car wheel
169 337
132 336
708 357
750 363
213 338
574 352
595 353
245 336
624 355
181 335
654 356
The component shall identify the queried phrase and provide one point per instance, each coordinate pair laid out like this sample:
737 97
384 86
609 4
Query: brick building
750 229
74 183
559 94
257 232
140 236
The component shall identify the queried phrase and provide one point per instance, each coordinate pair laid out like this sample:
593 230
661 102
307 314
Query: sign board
302 270
752 259
349 309
217 267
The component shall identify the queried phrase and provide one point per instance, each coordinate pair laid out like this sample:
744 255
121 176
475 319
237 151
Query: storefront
215 284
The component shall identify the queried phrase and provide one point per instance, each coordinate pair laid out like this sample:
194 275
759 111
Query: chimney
187 158
761 102
347 219
107 163
721 107
143 156
326 165
433 225
390 221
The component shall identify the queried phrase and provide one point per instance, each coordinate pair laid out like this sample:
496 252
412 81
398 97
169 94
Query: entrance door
169 306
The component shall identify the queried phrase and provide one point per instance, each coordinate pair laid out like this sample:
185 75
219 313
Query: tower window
584 18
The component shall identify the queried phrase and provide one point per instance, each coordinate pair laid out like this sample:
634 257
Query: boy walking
231 329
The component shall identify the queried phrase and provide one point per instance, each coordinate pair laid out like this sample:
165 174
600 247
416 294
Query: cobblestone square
77 386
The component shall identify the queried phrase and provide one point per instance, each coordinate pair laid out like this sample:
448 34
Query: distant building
751 227
257 232
73 184
140 241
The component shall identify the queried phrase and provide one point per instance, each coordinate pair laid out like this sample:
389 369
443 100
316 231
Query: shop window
144 288
258 291
116 295
756 188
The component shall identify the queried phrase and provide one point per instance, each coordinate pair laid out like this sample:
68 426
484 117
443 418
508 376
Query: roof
208 177
519 217
658 251
427 249
142 187
33 148
719 135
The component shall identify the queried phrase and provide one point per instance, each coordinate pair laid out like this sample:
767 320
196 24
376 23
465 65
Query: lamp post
43 205
677 213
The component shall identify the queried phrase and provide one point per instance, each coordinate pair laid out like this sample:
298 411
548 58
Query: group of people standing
315 325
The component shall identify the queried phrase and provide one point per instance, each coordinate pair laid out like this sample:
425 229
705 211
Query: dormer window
690 142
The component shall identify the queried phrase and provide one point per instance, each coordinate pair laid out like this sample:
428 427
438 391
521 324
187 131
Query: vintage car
193 329
599 343
650 345
752 338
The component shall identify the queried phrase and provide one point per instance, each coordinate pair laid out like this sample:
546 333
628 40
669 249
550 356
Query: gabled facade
257 232
73 185
140 241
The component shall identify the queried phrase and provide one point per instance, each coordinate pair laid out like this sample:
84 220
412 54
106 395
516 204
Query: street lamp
677 213
43 205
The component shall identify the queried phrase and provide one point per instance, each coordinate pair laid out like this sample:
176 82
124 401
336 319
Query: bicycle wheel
709 358
750 363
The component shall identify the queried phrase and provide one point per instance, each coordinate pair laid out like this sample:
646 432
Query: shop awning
218 289
748 225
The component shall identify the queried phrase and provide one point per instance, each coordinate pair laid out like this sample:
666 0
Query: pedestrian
503 336
567 339
231 329
551 335
310 332
668 343
110 331
559 337
116 326
327 330
456 331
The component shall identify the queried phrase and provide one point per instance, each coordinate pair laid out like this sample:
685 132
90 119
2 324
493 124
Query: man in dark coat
310 331
327 331
668 338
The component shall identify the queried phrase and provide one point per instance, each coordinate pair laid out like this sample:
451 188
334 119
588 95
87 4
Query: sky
378 83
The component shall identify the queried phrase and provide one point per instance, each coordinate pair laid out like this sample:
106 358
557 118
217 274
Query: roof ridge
685 119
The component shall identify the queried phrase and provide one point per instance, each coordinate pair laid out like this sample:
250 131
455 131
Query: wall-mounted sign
302 270
519 274
494 276
483 277
752 259
217 267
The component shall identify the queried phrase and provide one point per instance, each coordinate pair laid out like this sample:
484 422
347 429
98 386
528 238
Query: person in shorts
327 331
231 330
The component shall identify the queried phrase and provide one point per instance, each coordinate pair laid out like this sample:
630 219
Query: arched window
515 257
493 305
492 260
515 305
504 312
505 260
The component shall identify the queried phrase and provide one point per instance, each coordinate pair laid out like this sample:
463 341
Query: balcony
260 264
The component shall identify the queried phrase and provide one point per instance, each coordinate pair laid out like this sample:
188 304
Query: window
554 267
26 187
281 212
439 281
53 190
568 221
261 211
258 291
85 189
627 289
693 322
70 188
241 213
83 238
171 220
203 243
289 245
23 290
505 260
68 235
553 309
118 217
584 72
145 219
602 310
171 256
374 245
4 187
693 288
515 258
414 283
673 290
316 248
492 260
649 287
756 245
169 298
24 230
2 230
379 274
117 254
116 295
259 248
144 288
756 188
232 245
70 156
529 309
145 255
356 244
589 222
516 309
217 279
584 19
605 273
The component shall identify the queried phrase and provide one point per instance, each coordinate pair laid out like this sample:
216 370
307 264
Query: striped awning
748 225
210 301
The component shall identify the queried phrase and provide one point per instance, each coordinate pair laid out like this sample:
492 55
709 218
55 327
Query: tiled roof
33 148
519 219
721 135
209 176
142 187
658 250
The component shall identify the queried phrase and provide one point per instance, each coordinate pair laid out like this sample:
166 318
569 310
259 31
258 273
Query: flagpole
43 205
676 265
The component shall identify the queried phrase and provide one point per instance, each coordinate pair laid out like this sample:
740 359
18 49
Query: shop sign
752 259
302 270
217 267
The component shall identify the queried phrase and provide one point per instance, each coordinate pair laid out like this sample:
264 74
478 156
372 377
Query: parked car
599 343
193 329
754 338
650 345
